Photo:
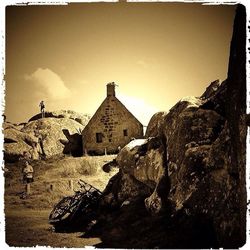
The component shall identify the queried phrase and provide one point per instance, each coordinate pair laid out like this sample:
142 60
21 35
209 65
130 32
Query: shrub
87 166
72 167
68 168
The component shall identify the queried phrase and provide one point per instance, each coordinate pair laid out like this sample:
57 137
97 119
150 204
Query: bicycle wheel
61 210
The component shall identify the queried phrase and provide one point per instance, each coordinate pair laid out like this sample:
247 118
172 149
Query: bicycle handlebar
84 185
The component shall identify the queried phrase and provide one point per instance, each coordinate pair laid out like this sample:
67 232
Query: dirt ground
28 228
27 219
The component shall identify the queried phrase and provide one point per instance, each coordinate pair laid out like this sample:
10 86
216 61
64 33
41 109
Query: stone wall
115 125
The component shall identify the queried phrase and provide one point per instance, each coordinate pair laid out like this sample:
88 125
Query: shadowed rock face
235 113
191 174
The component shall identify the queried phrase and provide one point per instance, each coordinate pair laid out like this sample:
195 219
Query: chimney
111 89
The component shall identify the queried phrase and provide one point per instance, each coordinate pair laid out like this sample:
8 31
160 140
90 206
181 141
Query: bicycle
76 209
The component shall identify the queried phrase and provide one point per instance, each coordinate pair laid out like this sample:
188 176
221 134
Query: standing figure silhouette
42 107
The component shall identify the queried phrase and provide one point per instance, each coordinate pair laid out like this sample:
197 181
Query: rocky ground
29 228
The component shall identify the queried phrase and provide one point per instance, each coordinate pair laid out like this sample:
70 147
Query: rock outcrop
190 172
43 138
78 117
155 124
16 143
142 167
55 133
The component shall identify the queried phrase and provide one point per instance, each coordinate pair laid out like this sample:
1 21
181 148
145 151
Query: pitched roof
120 103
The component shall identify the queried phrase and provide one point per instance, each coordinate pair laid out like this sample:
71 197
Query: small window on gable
98 137
125 132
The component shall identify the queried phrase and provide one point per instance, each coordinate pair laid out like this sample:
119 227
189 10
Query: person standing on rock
27 176
42 107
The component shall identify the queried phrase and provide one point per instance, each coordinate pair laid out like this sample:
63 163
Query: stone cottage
112 126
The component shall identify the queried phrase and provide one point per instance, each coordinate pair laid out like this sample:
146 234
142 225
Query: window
98 137
125 132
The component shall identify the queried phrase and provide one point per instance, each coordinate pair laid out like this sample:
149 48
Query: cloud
48 83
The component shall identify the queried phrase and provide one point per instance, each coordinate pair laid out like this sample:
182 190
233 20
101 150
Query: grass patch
71 167
52 180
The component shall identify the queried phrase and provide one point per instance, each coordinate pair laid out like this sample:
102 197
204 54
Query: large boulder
195 165
186 125
57 135
235 113
70 114
123 189
14 126
155 124
16 143
42 138
143 159
209 180
142 168
215 96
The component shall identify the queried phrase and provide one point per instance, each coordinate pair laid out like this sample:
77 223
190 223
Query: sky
157 53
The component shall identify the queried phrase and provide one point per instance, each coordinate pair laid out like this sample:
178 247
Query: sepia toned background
156 53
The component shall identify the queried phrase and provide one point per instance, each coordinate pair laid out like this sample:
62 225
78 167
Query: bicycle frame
83 202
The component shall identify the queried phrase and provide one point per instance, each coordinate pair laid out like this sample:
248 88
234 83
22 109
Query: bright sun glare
138 107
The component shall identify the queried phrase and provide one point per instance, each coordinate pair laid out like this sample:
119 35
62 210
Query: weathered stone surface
143 161
155 124
11 125
14 135
78 117
58 133
17 142
203 160
55 133
211 89
154 203
43 138
123 188
219 192
216 98
235 112
187 125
